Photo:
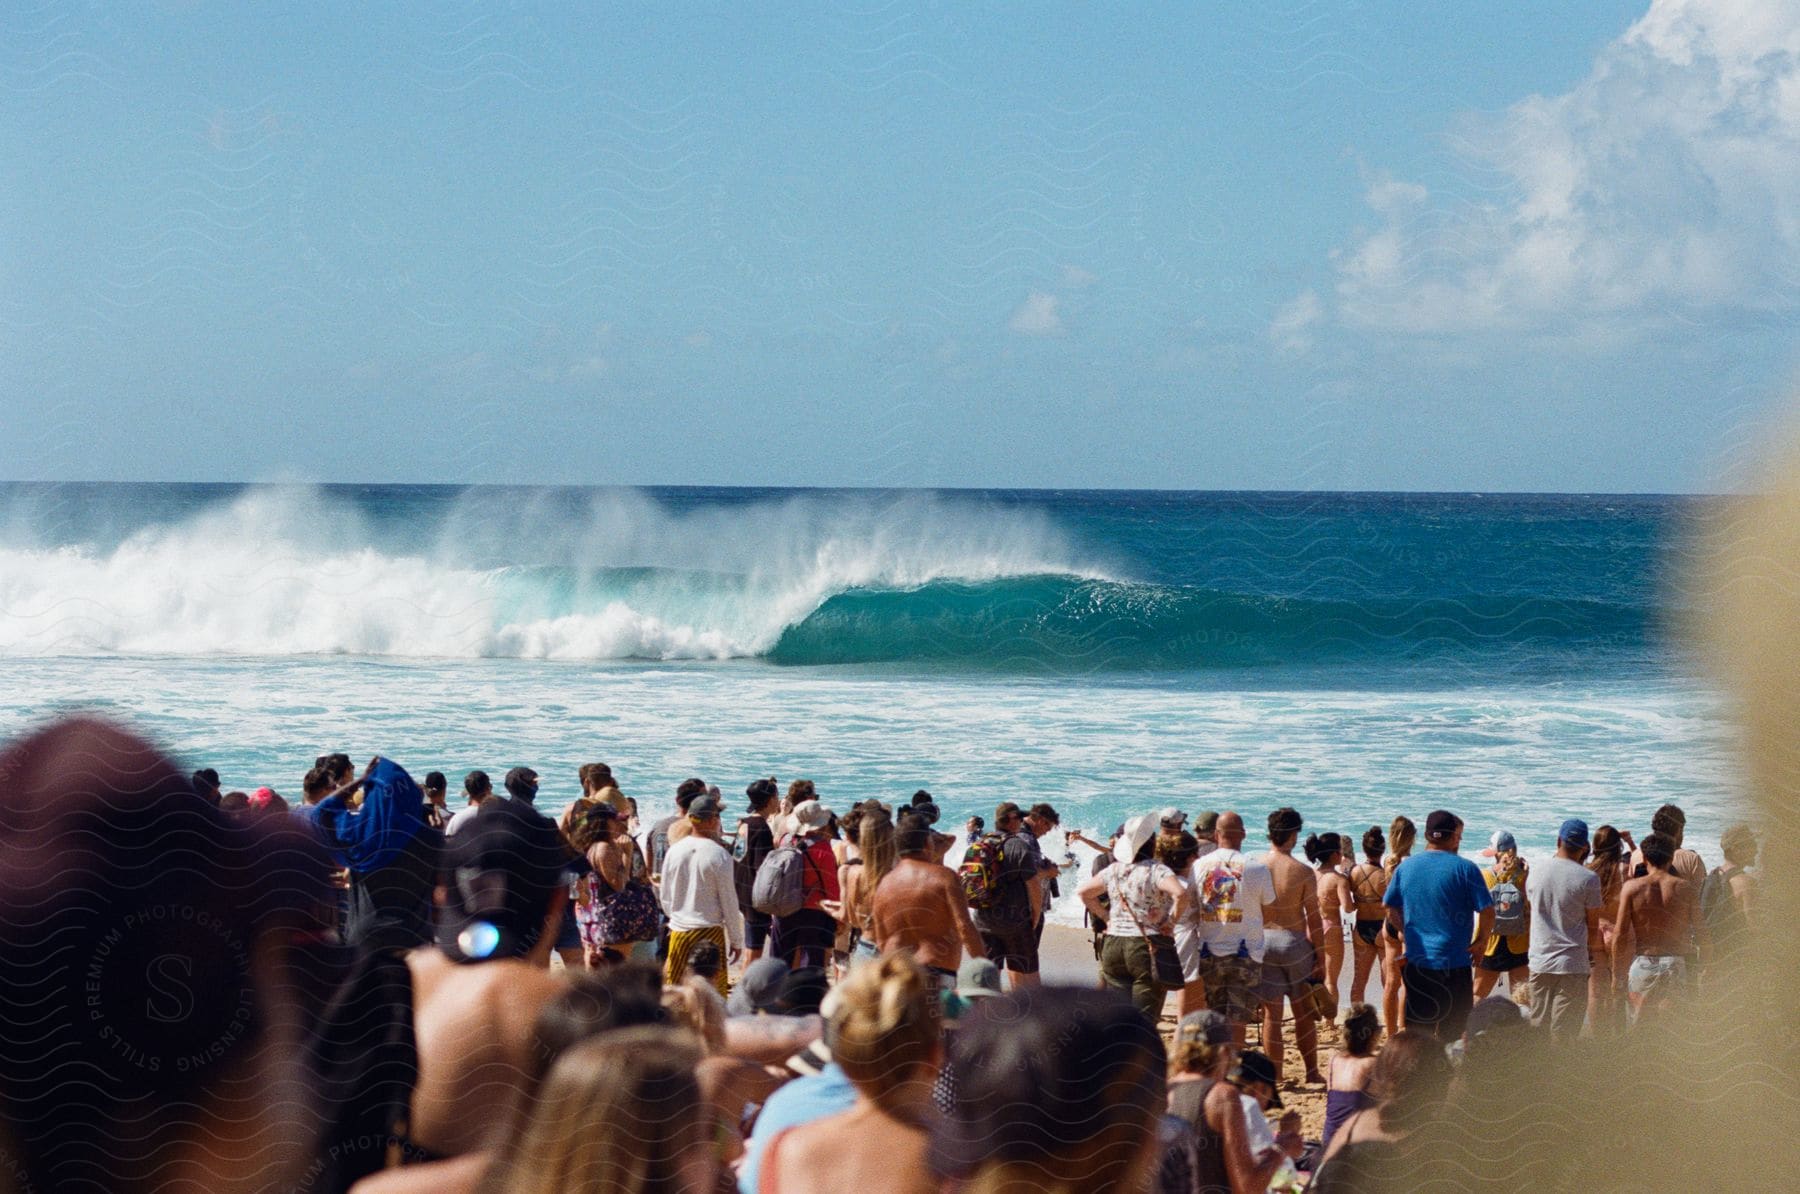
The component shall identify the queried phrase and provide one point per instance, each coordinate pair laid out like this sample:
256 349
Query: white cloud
1391 194
1037 316
1291 329
1074 277
1667 182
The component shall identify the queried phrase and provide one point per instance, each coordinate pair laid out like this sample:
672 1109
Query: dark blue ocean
1356 655
1048 583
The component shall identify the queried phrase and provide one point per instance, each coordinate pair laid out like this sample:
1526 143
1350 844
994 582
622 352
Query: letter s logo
172 999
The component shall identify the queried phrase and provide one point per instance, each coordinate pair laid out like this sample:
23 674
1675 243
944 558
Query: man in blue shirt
1440 904
823 1092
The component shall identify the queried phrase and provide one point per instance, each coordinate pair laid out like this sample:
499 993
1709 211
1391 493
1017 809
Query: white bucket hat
1138 830
810 814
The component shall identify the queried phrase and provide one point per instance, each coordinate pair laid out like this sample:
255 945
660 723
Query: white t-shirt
1260 1135
1230 890
461 818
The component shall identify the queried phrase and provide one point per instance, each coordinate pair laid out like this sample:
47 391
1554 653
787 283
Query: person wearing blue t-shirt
824 1090
1440 904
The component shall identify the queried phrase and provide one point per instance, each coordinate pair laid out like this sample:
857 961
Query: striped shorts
683 942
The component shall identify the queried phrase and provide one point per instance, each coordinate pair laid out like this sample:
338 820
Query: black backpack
1719 908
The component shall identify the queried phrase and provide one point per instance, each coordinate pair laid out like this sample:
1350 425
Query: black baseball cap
802 991
704 806
1441 826
760 988
501 869
1253 1066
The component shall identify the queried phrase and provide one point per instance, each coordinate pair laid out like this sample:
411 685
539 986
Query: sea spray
532 574
994 583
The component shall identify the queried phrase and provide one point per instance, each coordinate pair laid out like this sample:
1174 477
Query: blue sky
1531 246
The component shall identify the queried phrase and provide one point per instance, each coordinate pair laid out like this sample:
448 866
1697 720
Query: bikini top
1360 883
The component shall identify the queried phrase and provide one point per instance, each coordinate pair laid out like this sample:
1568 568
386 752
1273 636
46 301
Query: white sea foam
286 571
1099 752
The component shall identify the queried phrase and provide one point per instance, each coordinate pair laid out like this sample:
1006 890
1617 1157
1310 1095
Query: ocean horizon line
1065 490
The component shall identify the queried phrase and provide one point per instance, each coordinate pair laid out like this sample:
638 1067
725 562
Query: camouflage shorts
1231 984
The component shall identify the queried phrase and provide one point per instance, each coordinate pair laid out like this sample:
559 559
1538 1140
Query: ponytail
884 1027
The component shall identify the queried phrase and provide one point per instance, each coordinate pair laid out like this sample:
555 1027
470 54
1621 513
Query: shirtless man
920 906
1658 930
478 992
1671 822
1293 937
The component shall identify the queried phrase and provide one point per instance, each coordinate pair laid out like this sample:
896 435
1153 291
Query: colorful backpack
1510 918
980 871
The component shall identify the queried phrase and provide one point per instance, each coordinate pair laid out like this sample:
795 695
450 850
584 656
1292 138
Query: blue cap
1573 833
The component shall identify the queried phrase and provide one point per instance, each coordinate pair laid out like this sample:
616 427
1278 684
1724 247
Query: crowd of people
1602 933
370 990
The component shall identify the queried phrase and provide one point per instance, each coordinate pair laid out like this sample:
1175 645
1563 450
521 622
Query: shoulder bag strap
1125 899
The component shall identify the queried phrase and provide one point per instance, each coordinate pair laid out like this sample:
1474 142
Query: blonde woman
884 1034
622 1113
1401 836
857 880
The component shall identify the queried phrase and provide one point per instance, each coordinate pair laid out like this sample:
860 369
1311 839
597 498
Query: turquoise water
1355 655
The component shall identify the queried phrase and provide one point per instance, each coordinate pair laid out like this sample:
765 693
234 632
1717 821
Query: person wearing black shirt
754 842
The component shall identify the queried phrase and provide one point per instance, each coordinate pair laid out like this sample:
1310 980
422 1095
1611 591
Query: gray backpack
780 887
